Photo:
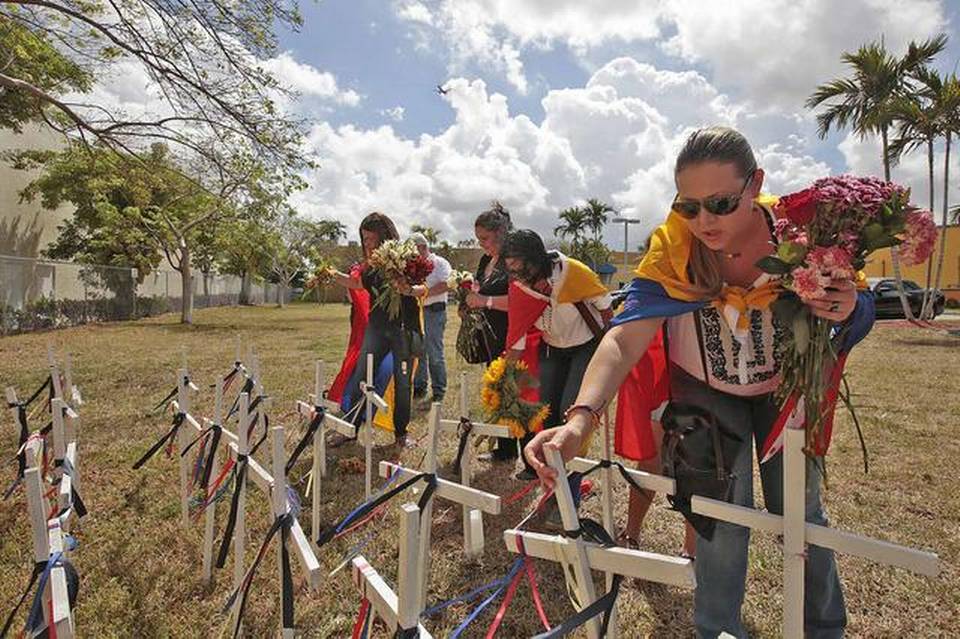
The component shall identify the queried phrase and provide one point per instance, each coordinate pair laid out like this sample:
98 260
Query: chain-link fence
39 294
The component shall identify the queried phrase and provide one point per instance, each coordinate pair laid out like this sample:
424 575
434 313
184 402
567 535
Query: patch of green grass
140 571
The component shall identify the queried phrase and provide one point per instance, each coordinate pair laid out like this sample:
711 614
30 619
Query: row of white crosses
797 533
468 498
274 484
49 532
584 556
309 409
316 400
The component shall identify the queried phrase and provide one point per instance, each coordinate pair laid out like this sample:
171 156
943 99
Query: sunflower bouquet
400 264
500 397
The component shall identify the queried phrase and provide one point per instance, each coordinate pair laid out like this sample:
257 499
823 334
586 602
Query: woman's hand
475 300
837 303
567 439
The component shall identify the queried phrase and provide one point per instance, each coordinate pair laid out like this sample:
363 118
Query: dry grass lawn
140 571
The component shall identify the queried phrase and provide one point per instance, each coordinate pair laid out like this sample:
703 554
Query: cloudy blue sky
554 101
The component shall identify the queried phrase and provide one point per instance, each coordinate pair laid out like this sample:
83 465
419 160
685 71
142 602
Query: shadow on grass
672 609
936 343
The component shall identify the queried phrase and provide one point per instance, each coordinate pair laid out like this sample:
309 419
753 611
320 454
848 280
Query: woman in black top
403 336
493 282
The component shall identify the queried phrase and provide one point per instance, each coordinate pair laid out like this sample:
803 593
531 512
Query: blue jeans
434 325
380 341
721 565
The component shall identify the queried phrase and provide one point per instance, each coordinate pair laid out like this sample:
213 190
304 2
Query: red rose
800 207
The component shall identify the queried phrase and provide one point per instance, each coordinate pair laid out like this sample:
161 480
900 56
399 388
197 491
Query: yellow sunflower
495 371
536 424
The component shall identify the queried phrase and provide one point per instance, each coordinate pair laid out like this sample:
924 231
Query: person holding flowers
743 294
483 340
394 323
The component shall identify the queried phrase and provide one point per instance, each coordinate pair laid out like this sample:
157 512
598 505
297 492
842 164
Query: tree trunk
244 299
186 284
946 207
894 253
924 310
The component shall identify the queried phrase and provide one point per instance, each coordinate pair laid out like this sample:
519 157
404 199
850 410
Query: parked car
887 300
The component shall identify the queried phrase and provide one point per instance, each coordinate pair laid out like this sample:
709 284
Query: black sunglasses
715 204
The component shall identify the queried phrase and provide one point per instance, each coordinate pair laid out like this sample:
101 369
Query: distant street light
626 221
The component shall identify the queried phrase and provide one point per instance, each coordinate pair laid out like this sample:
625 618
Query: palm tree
863 102
574 224
432 234
597 213
330 230
950 109
919 119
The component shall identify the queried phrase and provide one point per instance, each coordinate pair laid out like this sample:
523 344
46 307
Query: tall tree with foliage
863 102
130 211
920 121
203 59
597 215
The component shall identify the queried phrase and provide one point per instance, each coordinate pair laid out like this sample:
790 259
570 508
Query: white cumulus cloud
614 138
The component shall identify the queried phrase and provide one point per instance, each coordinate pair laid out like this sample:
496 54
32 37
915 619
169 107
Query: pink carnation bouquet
826 232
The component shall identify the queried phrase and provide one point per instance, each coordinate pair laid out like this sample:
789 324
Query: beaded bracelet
594 413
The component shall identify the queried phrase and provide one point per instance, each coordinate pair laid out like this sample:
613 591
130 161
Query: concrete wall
25 229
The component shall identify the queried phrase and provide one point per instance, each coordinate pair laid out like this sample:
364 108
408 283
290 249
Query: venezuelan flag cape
359 314
663 289
344 388
578 282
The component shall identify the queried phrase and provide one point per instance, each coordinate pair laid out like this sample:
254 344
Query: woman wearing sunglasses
699 278
566 301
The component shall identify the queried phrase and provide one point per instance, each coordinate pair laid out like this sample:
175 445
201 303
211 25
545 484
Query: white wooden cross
584 556
267 482
372 399
797 533
449 490
330 422
400 609
48 538
472 517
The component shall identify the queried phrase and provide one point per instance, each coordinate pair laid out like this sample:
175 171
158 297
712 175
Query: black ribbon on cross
327 533
607 463
239 475
591 531
246 388
76 502
173 393
169 437
463 430
281 524
24 433
319 413
207 453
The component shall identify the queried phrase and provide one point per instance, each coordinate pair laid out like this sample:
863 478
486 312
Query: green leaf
791 253
773 265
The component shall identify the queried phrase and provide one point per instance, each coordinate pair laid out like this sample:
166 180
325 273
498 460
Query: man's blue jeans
434 325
